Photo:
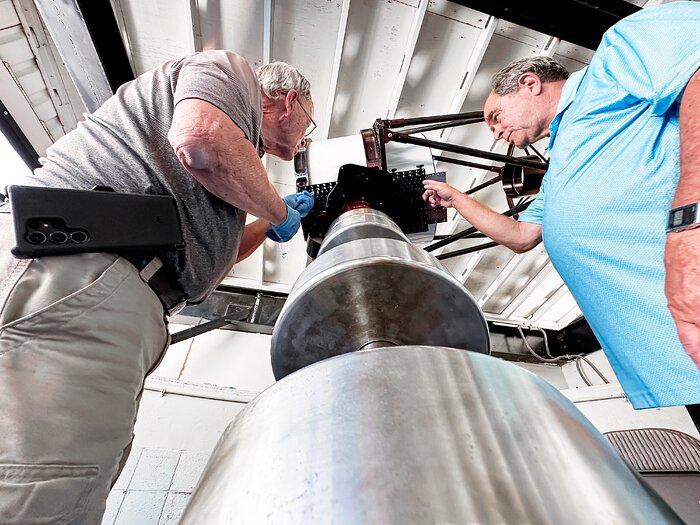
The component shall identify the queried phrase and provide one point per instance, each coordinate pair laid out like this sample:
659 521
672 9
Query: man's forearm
253 236
236 175
504 230
217 153
682 256
688 190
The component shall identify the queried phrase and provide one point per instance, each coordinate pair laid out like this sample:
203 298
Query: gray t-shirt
124 144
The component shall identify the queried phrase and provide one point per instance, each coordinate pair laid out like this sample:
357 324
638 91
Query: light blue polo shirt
613 170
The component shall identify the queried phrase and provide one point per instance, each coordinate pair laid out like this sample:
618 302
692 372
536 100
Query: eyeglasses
313 124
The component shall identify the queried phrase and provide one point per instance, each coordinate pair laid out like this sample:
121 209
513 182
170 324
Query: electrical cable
579 369
577 358
546 342
545 359
595 369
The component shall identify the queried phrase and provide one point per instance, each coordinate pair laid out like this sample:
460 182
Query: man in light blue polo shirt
624 149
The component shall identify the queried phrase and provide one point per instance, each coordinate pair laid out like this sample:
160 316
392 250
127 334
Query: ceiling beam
268 24
335 72
107 39
20 122
62 91
527 291
507 271
192 9
561 293
418 18
576 21
475 59
88 39
551 47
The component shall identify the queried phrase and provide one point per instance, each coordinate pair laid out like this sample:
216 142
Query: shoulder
649 26
225 60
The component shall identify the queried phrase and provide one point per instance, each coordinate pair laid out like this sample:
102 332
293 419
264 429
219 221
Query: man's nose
497 132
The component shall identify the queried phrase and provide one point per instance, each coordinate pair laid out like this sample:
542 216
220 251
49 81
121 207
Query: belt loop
150 269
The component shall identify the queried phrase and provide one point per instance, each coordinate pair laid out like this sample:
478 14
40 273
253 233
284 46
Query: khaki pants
78 335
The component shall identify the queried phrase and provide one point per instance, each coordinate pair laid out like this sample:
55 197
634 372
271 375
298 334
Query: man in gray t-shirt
191 128
79 333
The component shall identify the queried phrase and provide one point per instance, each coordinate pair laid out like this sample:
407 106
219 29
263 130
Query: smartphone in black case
55 221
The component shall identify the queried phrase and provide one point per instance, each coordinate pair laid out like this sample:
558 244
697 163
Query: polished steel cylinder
361 223
369 288
417 435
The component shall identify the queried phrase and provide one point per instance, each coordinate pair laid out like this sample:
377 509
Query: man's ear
289 99
531 82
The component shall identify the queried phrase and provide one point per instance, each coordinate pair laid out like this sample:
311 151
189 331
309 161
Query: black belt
161 281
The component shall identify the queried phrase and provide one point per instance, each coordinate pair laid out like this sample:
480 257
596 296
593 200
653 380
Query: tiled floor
154 487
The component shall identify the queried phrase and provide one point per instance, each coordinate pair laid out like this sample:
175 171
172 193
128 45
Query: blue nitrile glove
285 230
303 202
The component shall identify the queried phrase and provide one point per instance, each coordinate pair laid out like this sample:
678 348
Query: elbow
520 248
527 237
524 246
193 152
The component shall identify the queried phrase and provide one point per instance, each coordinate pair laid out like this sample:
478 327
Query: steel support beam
573 339
335 72
106 36
87 37
581 22
407 57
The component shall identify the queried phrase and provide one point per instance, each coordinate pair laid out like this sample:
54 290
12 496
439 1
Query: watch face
680 218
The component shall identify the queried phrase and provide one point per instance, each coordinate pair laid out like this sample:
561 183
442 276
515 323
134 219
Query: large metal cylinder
370 287
417 435
361 223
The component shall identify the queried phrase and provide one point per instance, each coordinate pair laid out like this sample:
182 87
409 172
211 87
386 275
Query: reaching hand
287 229
303 202
440 193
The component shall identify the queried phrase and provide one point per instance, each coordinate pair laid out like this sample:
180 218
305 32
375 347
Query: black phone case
54 221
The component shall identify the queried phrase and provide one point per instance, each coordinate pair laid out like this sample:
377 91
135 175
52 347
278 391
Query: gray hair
547 69
278 78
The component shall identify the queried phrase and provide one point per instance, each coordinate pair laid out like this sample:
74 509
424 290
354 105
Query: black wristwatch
683 218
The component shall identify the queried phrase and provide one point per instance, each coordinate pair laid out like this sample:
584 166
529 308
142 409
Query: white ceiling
365 59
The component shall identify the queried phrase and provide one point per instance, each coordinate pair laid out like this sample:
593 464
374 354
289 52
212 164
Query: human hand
682 260
440 193
287 229
303 202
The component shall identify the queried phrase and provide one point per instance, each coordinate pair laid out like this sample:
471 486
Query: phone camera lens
58 237
36 238
79 236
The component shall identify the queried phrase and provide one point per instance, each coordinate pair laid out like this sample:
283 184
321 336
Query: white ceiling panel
312 49
431 84
158 30
375 40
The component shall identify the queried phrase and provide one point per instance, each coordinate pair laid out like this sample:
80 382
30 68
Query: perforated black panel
407 208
